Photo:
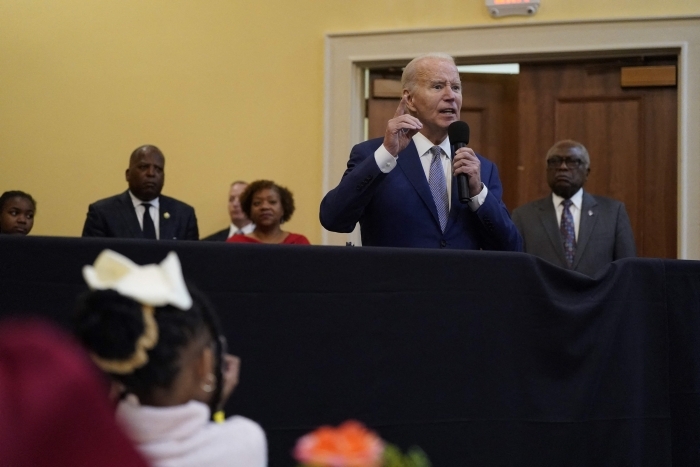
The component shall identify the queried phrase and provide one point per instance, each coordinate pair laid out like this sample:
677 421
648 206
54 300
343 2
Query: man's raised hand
400 129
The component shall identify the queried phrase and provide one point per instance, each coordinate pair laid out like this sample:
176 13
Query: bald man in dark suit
141 211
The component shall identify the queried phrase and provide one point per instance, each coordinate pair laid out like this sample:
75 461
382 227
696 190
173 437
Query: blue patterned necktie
438 186
568 234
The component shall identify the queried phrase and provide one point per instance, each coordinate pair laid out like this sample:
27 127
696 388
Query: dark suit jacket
604 235
220 236
116 217
397 209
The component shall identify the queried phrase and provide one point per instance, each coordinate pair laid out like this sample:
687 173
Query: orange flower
349 445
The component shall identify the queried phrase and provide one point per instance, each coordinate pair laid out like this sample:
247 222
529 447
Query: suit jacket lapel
128 215
167 228
409 161
548 218
586 225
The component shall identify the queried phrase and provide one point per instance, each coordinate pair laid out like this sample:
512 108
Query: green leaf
393 457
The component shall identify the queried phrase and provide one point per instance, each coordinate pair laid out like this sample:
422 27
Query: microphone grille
458 132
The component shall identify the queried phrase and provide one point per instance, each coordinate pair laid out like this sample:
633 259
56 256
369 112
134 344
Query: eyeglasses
571 163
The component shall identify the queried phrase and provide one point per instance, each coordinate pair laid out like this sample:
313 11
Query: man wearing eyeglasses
571 228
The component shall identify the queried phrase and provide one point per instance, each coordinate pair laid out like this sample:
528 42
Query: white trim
522 24
347 54
498 68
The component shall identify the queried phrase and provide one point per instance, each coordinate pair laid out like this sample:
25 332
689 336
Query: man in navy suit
402 190
141 211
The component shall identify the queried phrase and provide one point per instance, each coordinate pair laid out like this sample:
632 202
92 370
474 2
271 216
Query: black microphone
459 137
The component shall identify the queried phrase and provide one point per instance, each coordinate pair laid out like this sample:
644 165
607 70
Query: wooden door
630 134
489 106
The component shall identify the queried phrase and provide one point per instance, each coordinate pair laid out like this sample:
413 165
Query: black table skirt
479 358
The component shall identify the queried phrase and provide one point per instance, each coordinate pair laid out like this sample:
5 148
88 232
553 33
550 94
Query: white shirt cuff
475 202
385 161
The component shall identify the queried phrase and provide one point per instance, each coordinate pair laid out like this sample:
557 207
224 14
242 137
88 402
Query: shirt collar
423 145
576 199
137 202
246 229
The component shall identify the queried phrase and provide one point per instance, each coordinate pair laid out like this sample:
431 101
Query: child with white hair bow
162 345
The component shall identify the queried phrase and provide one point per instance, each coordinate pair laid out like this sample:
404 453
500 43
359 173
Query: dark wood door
490 107
630 134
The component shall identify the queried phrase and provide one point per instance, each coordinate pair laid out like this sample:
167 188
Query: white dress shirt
575 208
245 230
140 210
386 163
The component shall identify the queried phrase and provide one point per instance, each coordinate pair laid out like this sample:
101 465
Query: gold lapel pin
167 215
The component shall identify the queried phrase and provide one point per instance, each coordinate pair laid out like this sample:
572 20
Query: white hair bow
153 284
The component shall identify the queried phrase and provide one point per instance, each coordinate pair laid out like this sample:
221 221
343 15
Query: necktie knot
436 152
567 203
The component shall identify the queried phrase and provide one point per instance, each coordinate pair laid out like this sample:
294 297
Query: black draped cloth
479 358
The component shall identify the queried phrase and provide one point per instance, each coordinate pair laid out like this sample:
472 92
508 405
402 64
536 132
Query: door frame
349 54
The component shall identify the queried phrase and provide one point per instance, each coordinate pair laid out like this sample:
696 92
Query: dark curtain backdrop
479 358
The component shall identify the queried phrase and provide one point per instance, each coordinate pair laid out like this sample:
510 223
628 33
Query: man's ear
409 100
126 175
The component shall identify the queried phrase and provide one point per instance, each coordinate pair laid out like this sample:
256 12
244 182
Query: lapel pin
167 215
590 213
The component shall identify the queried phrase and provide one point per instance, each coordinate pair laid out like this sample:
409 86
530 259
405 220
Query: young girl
163 347
17 210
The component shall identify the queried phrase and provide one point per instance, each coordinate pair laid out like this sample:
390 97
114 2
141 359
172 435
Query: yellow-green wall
227 89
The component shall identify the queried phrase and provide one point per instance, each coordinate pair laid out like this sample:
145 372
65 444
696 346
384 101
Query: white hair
408 78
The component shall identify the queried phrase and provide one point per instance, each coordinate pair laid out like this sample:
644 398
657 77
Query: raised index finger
401 109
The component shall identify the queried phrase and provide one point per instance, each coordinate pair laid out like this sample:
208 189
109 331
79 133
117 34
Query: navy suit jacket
604 233
397 209
116 217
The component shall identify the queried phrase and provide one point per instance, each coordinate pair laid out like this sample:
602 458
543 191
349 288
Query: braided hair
109 325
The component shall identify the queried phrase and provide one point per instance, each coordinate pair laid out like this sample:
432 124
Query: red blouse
291 239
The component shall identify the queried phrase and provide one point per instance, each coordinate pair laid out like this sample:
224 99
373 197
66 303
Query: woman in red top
268 205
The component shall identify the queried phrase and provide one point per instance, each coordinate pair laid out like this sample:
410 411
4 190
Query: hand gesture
466 162
400 129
